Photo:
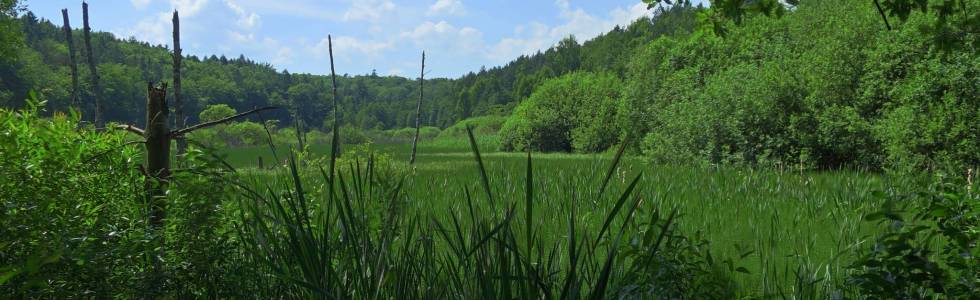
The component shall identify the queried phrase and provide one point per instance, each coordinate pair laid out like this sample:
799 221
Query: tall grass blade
612 167
479 163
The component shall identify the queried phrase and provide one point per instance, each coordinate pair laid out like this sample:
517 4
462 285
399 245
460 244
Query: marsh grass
358 234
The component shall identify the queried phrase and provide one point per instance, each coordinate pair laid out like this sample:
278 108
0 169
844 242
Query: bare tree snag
179 121
157 136
418 111
71 59
157 173
181 132
96 90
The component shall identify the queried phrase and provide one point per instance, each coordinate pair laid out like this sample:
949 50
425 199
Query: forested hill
367 101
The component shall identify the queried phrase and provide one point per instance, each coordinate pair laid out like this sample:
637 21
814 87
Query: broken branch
181 132
131 128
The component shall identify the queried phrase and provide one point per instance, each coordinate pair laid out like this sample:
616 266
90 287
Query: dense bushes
481 126
799 90
65 197
72 218
929 246
573 112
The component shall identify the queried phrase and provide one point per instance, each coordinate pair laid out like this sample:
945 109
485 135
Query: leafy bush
928 102
482 126
572 112
73 219
408 134
929 248
69 222
798 91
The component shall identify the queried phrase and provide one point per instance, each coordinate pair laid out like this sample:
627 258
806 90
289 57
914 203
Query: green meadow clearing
780 226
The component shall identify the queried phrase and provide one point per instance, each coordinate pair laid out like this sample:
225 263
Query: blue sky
384 35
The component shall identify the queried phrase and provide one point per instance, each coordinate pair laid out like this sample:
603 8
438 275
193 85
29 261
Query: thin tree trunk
96 90
179 121
71 59
418 111
157 137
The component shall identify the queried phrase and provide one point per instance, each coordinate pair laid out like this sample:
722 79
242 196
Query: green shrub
482 126
927 101
408 133
573 112
69 223
929 246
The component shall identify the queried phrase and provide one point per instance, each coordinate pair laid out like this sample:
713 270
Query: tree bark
157 136
96 90
179 121
418 111
71 59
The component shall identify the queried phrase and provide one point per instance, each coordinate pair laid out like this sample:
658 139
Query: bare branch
90 159
883 16
131 128
180 132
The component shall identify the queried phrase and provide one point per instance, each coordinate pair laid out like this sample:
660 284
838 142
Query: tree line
367 101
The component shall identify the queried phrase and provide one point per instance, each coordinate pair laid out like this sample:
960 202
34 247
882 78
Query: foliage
11 38
68 222
216 112
572 112
928 248
377 249
484 125
73 223
408 134
798 91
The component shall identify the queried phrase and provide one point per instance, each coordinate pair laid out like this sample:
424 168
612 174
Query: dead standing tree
96 90
157 139
179 120
418 111
71 59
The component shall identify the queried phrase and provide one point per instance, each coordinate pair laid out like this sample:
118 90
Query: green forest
751 149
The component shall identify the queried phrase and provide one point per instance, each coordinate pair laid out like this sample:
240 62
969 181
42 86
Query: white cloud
140 4
188 8
443 35
157 28
283 56
369 10
347 48
245 19
576 21
154 29
448 7
241 38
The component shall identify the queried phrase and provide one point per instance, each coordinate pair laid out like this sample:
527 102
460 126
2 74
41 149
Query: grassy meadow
786 232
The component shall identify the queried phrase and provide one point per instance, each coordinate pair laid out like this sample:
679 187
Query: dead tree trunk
418 111
157 136
71 59
96 90
179 121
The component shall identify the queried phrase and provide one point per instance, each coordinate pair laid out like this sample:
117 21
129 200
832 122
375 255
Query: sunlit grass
791 231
